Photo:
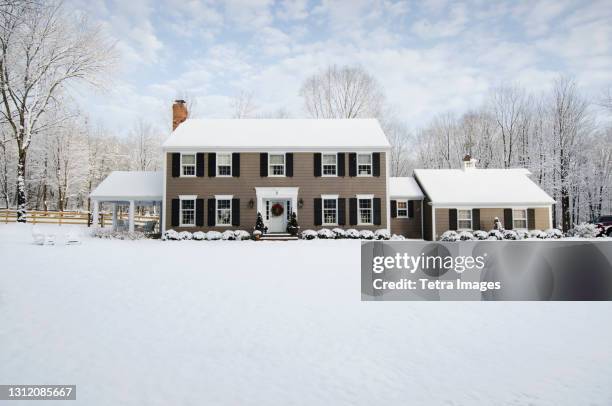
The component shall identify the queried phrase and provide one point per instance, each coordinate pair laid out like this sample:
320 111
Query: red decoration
277 209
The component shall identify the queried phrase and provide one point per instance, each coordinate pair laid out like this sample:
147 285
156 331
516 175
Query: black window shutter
341 211
289 164
199 212
352 164
317 164
175 212
508 219
212 164
176 165
353 211
475 219
211 212
236 212
377 211
376 164
410 208
236 164
393 208
530 218
452 219
341 164
200 164
318 217
263 164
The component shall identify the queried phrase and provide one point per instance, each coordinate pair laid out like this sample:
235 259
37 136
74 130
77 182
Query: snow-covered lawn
276 323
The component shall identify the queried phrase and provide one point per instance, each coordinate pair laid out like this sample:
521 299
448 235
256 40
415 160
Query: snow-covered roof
123 185
484 187
278 134
405 187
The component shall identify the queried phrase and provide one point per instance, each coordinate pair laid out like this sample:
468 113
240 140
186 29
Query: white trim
328 197
490 205
192 198
365 196
470 210
371 199
371 164
323 175
434 236
523 209
127 198
163 198
284 175
223 197
397 209
280 149
387 181
195 165
276 193
217 164
188 197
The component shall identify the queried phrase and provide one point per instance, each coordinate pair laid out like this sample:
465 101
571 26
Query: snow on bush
199 235
466 236
170 235
242 235
496 234
522 234
309 234
352 233
108 233
326 234
537 234
449 235
382 234
213 235
185 235
480 235
584 230
366 235
554 233
228 235
510 235
492 238
339 233
396 237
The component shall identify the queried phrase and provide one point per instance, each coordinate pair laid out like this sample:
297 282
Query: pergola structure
122 187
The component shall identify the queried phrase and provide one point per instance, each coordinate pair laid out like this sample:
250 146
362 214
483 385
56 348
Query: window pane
401 204
329 211
188 159
365 159
464 224
464 214
365 203
329 159
277 159
224 159
188 212
519 214
224 214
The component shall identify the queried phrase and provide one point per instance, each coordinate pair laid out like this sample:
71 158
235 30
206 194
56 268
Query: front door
276 213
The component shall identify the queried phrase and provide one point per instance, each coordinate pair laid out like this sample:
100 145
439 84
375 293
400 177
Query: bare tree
43 50
242 105
145 146
508 105
400 138
342 92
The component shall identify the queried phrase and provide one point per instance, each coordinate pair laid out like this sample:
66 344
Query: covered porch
136 192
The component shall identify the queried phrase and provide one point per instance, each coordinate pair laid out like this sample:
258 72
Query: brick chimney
179 113
469 162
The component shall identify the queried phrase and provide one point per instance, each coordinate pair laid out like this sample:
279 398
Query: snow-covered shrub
366 235
382 234
537 234
497 234
352 233
480 235
242 235
339 233
213 235
326 234
510 235
228 235
185 235
492 238
466 236
396 237
309 234
257 233
554 233
170 235
584 230
199 235
108 233
449 235
522 234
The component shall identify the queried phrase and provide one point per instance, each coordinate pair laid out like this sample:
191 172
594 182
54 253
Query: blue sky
430 57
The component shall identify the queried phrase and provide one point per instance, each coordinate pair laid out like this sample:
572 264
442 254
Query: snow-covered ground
276 323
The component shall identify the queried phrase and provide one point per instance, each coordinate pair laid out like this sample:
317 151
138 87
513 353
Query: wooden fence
70 217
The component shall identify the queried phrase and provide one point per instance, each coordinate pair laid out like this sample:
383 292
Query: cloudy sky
431 57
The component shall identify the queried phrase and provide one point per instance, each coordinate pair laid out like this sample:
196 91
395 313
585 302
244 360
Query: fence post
33 217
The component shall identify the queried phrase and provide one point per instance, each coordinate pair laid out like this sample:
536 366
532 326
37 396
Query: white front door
276 215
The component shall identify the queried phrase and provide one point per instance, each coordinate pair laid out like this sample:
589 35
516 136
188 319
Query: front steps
277 237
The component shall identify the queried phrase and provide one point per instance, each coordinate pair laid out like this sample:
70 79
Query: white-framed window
224 210
329 164
402 208
364 164
365 210
188 165
224 164
519 219
276 164
330 209
187 212
464 219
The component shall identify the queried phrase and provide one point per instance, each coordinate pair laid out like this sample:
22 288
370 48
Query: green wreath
277 209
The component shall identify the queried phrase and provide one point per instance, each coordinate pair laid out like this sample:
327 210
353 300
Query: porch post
131 216
114 216
95 214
